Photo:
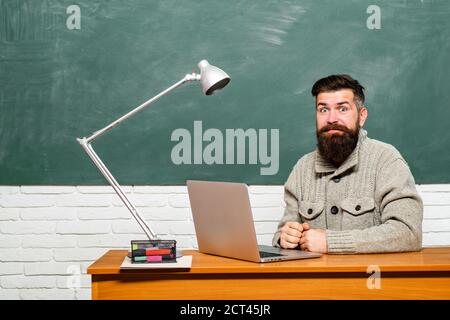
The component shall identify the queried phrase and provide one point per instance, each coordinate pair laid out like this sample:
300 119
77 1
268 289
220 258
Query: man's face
337 111
338 121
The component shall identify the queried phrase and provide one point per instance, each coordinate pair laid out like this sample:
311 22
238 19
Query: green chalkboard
64 75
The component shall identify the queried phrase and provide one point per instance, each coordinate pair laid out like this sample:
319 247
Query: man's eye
343 109
322 110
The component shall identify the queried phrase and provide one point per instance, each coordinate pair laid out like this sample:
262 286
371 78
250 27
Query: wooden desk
415 275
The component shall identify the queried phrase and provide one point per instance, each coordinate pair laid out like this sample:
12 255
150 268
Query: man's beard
337 147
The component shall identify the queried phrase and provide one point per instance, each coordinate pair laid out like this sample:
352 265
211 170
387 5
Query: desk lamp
211 79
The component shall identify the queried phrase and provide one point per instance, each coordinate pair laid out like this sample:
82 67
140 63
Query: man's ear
363 113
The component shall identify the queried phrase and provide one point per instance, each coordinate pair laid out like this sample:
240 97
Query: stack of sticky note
153 251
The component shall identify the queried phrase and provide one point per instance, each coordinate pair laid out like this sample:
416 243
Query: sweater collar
323 165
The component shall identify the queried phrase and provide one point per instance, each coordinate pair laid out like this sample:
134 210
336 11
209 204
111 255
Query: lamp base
179 254
153 251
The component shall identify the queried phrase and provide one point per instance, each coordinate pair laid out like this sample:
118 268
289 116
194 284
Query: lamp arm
98 133
117 188
86 144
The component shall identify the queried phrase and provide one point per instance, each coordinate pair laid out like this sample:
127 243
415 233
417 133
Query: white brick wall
49 235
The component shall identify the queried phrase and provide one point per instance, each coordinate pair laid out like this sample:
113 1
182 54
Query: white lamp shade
212 78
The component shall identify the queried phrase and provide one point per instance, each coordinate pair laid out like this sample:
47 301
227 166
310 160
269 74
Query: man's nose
332 117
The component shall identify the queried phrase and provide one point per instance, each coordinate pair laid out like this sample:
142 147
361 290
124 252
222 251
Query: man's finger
305 233
288 245
290 239
293 232
295 225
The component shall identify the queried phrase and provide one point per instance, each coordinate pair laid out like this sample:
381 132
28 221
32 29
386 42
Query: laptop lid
223 219
224 224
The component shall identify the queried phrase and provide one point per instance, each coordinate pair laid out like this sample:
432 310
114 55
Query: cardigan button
334 210
336 179
310 211
358 207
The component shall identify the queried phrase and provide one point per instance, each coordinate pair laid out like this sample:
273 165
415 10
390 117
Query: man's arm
401 211
291 209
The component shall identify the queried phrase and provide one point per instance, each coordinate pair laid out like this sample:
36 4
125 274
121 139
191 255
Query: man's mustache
335 127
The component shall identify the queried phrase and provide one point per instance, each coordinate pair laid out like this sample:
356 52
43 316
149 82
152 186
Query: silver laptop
224 225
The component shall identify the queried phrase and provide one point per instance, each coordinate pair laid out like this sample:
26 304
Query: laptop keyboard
265 254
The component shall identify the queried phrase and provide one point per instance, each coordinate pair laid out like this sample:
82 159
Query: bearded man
352 194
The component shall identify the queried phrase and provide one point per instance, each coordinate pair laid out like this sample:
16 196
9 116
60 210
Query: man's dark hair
337 82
